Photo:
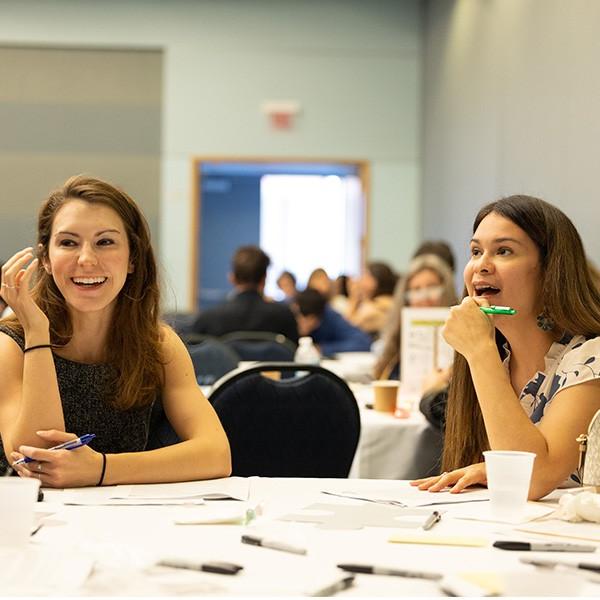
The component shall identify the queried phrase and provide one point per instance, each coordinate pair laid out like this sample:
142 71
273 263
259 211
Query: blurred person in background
370 298
339 301
328 329
429 282
248 310
320 281
286 282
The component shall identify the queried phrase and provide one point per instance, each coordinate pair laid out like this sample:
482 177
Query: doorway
303 214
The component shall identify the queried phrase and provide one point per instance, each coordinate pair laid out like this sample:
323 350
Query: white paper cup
386 395
508 479
18 497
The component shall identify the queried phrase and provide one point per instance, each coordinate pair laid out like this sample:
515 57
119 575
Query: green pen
497 310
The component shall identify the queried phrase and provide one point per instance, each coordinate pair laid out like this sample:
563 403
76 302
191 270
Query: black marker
222 568
543 547
372 570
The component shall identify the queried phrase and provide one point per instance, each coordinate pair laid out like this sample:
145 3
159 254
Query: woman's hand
60 468
15 290
467 327
456 480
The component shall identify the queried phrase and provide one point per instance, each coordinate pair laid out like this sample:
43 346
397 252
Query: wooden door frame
364 174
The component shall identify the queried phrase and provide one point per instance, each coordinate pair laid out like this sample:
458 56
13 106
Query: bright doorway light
310 221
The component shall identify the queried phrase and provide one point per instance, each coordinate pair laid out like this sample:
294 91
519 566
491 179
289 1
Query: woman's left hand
456 480
467 327
60 468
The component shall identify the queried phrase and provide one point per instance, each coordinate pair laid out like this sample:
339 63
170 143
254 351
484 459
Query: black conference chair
211 358
303 426
182 323
260 345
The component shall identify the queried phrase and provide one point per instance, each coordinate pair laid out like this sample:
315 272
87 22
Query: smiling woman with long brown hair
529 381
85 352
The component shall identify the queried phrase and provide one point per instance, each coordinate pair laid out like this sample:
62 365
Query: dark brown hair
249 265
133 344
384 276
570 298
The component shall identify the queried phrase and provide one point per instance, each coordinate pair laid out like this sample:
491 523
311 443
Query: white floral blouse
570 361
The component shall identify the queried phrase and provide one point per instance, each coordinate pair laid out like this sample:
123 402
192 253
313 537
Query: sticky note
438 540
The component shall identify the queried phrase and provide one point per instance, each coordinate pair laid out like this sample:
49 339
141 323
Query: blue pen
84 440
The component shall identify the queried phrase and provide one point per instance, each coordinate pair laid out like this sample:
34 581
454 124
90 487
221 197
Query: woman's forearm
187 461
40 406
506 424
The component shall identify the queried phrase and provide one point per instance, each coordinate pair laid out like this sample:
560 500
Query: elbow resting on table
543 482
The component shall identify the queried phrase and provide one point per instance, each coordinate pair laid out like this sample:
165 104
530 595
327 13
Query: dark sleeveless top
85 391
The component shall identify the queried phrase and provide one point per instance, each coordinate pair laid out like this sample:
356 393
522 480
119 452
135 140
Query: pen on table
432 519
220 567
555 563
334 588
273 544
543 547
69 445
497 310
373 570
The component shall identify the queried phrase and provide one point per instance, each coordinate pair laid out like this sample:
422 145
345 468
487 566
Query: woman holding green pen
86 353
527 381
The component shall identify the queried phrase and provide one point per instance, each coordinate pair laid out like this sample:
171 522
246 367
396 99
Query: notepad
438 540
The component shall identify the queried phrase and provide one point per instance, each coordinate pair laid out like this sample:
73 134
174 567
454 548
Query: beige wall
511 105
68 111
354 67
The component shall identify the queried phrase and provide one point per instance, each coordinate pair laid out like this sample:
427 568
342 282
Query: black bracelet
103 470
36 347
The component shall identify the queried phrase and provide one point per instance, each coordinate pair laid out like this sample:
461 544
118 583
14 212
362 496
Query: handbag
589 454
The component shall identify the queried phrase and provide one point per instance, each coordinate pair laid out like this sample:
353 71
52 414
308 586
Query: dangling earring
544 321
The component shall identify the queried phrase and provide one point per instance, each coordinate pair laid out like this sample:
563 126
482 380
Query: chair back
304 426
212 359
181 322
260 345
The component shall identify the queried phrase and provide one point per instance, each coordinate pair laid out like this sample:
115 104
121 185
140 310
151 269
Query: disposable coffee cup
386 395
508 480
18 497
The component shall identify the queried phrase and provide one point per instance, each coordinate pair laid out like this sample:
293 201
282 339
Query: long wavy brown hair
133 344
570 297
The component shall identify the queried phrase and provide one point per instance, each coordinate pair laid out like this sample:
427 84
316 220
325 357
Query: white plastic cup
508 479
18 497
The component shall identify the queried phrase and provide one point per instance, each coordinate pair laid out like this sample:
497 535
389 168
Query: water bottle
306 352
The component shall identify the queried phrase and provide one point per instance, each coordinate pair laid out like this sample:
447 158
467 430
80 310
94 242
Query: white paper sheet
187 492
42 571
554 527
423 347
412 497
483 512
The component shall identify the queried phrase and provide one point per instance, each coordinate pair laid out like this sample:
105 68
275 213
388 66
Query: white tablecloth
125 541
391 447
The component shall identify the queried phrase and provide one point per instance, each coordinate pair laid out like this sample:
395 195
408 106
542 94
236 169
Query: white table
126 541
391 447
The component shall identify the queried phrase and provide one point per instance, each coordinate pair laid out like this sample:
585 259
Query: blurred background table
391 447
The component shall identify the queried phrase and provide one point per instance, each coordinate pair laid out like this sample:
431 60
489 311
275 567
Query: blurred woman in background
370 298
428 282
